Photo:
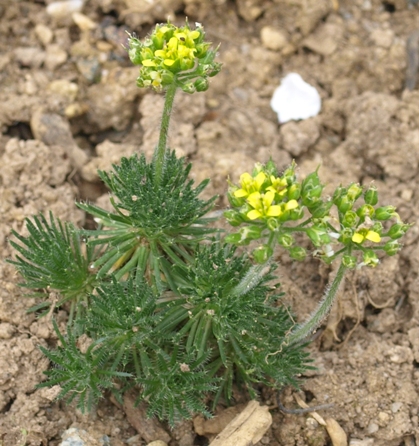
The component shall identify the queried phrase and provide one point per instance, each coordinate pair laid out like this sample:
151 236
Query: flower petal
148 63
239 193
292 204
254 214
358 238
268 198
260 179
254 200
373 236
274 211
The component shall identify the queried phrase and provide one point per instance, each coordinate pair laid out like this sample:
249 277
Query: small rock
383 37
89 68
298 137
29 56
83 22
372 428
78 437
64 9
383 418
55 57
272 38
75 109
364 442
64 88
44 34
54 130
413 335
395 407
4 61
325 40
249 9
157 443
399 354
6 330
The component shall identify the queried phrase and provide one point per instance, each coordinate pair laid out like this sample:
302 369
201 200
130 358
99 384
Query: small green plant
169 305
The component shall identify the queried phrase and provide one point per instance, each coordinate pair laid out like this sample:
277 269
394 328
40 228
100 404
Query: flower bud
392 247
167 78
233 217
365 211
311 181
233 238
321 209
377 227
350 219
235 202
189 87
344 204
214 69
397 230
340 191
289 174
371 195
354 191
273 224
346 235
297 253
201 84
294 191
262 253
270 169
286 240
384 213
370 258
318 236
349 261
252 232
296 214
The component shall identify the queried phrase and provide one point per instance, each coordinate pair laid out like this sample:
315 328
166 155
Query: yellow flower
262 205
278 185
249 184
365 234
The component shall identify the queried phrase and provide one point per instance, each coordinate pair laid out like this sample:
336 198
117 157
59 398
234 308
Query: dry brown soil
69 105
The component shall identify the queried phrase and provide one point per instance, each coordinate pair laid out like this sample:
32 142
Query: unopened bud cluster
174 54
272 208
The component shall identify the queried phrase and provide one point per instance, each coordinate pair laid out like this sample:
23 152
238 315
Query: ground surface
70 106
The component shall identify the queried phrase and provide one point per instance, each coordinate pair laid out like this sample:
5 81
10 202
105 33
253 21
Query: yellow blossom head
174 54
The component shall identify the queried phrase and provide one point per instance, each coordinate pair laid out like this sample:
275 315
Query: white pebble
60 10
295 99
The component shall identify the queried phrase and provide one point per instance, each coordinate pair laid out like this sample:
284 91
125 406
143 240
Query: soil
70 105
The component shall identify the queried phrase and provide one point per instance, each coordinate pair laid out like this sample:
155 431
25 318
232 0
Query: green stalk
301 331
160 151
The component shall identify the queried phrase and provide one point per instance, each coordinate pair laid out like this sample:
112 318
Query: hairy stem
303 330
160 151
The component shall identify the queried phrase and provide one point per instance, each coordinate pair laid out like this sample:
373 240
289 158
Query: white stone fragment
60 10
295 99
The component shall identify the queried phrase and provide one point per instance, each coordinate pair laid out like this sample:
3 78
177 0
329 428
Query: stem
160 151
303 330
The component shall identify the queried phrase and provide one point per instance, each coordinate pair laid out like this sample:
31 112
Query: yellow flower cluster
177 52
171 52
265 195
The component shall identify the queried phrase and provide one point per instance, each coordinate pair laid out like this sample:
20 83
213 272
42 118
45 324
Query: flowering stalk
171 58
302 331
161 149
